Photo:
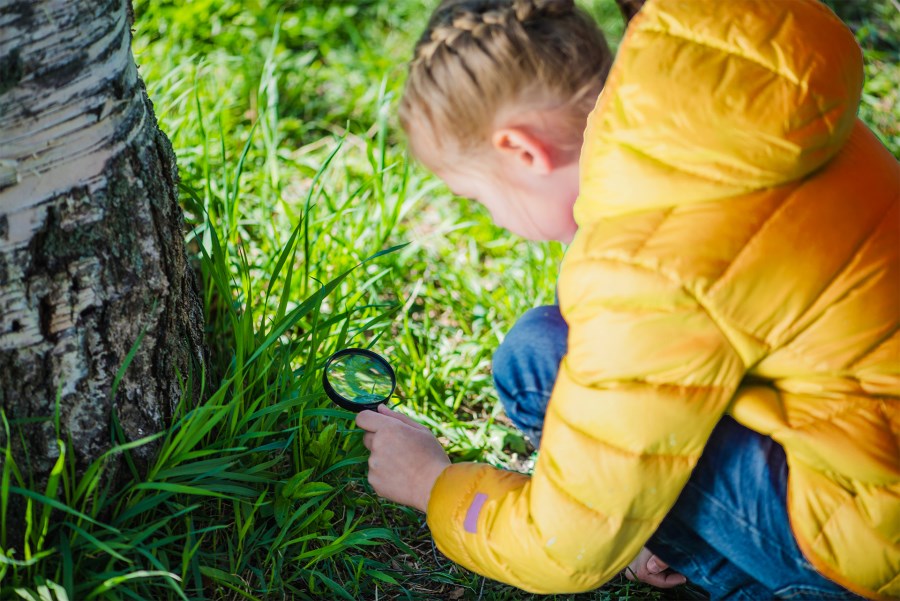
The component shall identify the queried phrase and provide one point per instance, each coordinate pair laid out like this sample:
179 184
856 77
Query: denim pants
729 531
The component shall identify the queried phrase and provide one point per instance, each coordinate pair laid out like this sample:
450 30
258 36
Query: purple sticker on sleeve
471 522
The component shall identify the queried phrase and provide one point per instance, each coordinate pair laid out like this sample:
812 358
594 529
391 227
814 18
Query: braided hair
478 58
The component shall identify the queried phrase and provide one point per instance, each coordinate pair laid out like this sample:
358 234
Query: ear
527 149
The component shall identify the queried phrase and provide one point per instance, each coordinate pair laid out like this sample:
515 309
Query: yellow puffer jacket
737 252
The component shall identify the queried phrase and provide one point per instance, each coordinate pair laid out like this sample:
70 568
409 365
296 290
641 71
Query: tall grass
312 231
254 490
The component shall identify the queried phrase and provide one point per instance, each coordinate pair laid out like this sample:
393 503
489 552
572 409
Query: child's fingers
658 574
652 570
383 410
368 438
656 565
370 421
666 579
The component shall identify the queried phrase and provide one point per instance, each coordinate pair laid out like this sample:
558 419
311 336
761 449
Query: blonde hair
478 58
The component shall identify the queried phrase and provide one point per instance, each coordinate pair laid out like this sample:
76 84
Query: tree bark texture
91 235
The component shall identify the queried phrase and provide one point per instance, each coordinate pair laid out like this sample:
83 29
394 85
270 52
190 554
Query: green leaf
98 543
312 489
57 505
183 489
220 575
327 435
282 509
379 575
290 487
111 583
26 594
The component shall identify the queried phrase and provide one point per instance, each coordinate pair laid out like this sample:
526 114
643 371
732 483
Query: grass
312 231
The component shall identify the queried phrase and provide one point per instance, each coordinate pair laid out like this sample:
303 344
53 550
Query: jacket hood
709 104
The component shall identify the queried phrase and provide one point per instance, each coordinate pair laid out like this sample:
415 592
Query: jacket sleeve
647 375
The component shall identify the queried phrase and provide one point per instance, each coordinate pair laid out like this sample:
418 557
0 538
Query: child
733 290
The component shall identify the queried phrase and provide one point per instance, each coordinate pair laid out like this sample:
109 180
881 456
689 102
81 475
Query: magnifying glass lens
358 379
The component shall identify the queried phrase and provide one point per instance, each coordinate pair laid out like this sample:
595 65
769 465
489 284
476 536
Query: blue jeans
729 531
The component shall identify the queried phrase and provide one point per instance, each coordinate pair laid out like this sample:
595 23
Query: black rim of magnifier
338 399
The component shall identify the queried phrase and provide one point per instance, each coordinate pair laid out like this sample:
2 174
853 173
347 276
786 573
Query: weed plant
312 231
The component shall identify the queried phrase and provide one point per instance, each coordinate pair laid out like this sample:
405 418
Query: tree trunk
91 234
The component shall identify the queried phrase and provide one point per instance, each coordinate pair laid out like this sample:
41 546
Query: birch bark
91 244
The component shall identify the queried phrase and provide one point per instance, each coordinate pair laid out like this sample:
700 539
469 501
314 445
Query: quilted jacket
738 252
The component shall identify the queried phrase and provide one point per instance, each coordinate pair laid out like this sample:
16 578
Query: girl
732 291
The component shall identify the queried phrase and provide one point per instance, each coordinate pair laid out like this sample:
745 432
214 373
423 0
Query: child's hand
406 458
649 568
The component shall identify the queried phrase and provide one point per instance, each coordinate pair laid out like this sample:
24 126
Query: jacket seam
556 562
877 345
719 321
651 383
602 516
816 370
823 108
712 289
805 425
665 217
619 450
730 51
887 585
865 239
831 515
683 169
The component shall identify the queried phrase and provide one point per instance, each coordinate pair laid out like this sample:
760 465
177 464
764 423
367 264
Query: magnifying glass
358 379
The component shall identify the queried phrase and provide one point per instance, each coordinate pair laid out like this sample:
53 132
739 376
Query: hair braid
458 28
475 56
530 9
460 20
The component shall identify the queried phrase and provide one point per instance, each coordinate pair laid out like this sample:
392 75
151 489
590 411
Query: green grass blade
115 581
99 544
32 495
